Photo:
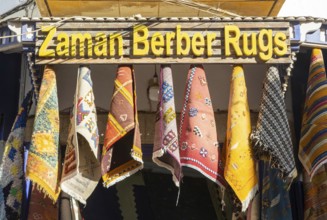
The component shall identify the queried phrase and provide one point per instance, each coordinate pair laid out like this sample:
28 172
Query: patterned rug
122 154
42 165
41 207
272 136
165 148
81 170
240 167
11 170
199 148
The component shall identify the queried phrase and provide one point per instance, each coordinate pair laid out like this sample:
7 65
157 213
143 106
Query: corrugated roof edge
169 19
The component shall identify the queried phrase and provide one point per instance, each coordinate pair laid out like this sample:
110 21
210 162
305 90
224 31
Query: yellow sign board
141 43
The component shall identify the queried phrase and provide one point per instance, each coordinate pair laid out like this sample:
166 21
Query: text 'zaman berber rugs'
240 167
199 148
81 170
11 170
313 142
122 153
42 164
165 148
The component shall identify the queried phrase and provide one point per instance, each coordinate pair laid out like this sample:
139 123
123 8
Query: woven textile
165 149
122 154
240 168
199 148
11 170
313 142
275 200
42 164
81 170
41 207
315 195
272 135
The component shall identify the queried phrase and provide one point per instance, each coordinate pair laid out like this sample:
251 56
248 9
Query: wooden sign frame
96 42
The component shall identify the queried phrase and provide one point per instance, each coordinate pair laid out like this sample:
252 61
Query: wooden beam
276 7
43 8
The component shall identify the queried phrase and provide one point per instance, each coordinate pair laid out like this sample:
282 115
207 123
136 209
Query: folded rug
199 148
11 169
81 170
272 136
42 163
165 148
313 142
122 154
240 167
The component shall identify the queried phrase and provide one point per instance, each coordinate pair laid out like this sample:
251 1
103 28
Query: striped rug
313 143
122 154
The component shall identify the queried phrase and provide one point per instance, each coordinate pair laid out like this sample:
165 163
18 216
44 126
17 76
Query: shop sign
243 42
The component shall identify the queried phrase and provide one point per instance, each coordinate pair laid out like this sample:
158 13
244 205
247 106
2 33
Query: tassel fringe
249 198
155 159
263 152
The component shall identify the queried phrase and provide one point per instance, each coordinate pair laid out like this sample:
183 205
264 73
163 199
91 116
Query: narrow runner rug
199 148
42 165
165 148
313 142
11 170
271 139
81 170
240 167
122 154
